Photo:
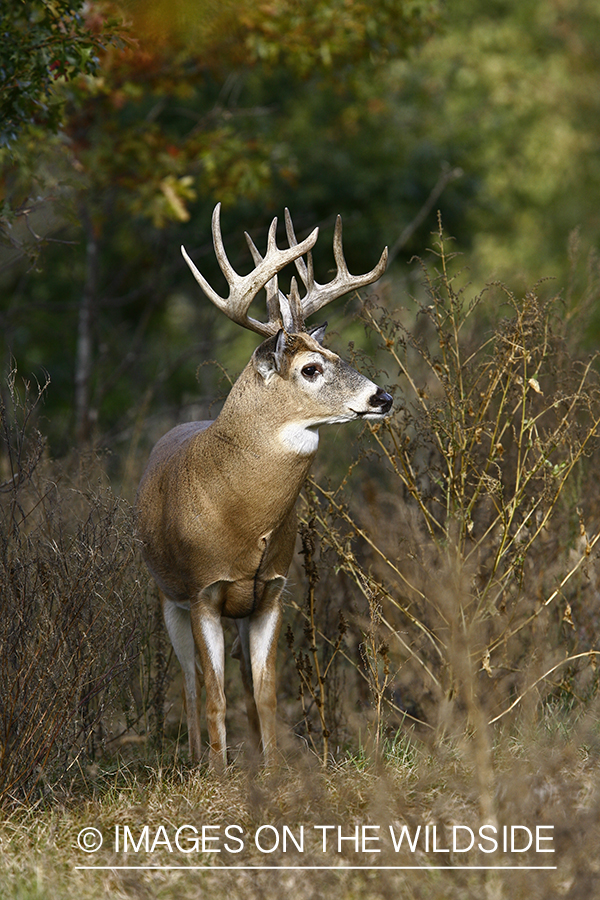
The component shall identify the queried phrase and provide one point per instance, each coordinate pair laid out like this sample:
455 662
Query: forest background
442 666
117 140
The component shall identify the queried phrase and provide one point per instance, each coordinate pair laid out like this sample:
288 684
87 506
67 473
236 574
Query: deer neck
261 418
271 453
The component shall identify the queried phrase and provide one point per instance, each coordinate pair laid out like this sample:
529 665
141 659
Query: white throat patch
299 438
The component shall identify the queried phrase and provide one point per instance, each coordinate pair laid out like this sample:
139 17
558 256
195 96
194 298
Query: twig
443 181
589 653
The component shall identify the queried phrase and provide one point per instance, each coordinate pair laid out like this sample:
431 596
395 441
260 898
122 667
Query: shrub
69 597
475 559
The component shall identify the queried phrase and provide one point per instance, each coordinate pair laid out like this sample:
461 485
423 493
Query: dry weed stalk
314 666
376 661
482 458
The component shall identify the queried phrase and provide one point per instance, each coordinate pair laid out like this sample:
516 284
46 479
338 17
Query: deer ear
318 332
268 356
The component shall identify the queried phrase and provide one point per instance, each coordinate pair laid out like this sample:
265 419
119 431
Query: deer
215 508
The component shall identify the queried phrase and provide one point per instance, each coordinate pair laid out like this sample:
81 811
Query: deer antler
288 312
243 288
318 295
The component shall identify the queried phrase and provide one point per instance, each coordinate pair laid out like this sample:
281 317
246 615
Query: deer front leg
179 627
263 632
208 636
241 651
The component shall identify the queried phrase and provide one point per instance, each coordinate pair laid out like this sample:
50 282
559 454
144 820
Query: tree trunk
83 363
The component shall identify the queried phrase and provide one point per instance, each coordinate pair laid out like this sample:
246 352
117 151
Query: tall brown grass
70 592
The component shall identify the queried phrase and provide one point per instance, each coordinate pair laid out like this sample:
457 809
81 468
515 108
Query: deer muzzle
381 401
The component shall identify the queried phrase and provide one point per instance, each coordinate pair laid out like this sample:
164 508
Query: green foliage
335 34
43 42
507 92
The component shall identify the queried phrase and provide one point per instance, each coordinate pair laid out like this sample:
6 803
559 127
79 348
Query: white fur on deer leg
212 632
261 640
177 620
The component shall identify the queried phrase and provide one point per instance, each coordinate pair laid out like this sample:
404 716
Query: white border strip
310 868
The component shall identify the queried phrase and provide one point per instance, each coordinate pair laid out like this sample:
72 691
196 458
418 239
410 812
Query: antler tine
275 310
254 251
272 237
296 307
226 267
338 249
243 288
301 266
319 295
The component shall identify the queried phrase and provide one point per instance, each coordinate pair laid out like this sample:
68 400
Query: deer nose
381 400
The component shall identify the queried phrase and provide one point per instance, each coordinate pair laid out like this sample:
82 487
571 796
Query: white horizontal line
310 868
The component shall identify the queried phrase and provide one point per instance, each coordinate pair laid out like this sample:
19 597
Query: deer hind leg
264 625
241 651
208 636
179 626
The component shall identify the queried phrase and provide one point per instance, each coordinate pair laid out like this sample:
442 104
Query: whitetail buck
215 506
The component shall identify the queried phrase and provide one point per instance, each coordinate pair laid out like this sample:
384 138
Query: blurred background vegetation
123 123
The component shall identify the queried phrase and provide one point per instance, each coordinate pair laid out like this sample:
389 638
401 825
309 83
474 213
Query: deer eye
311 371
